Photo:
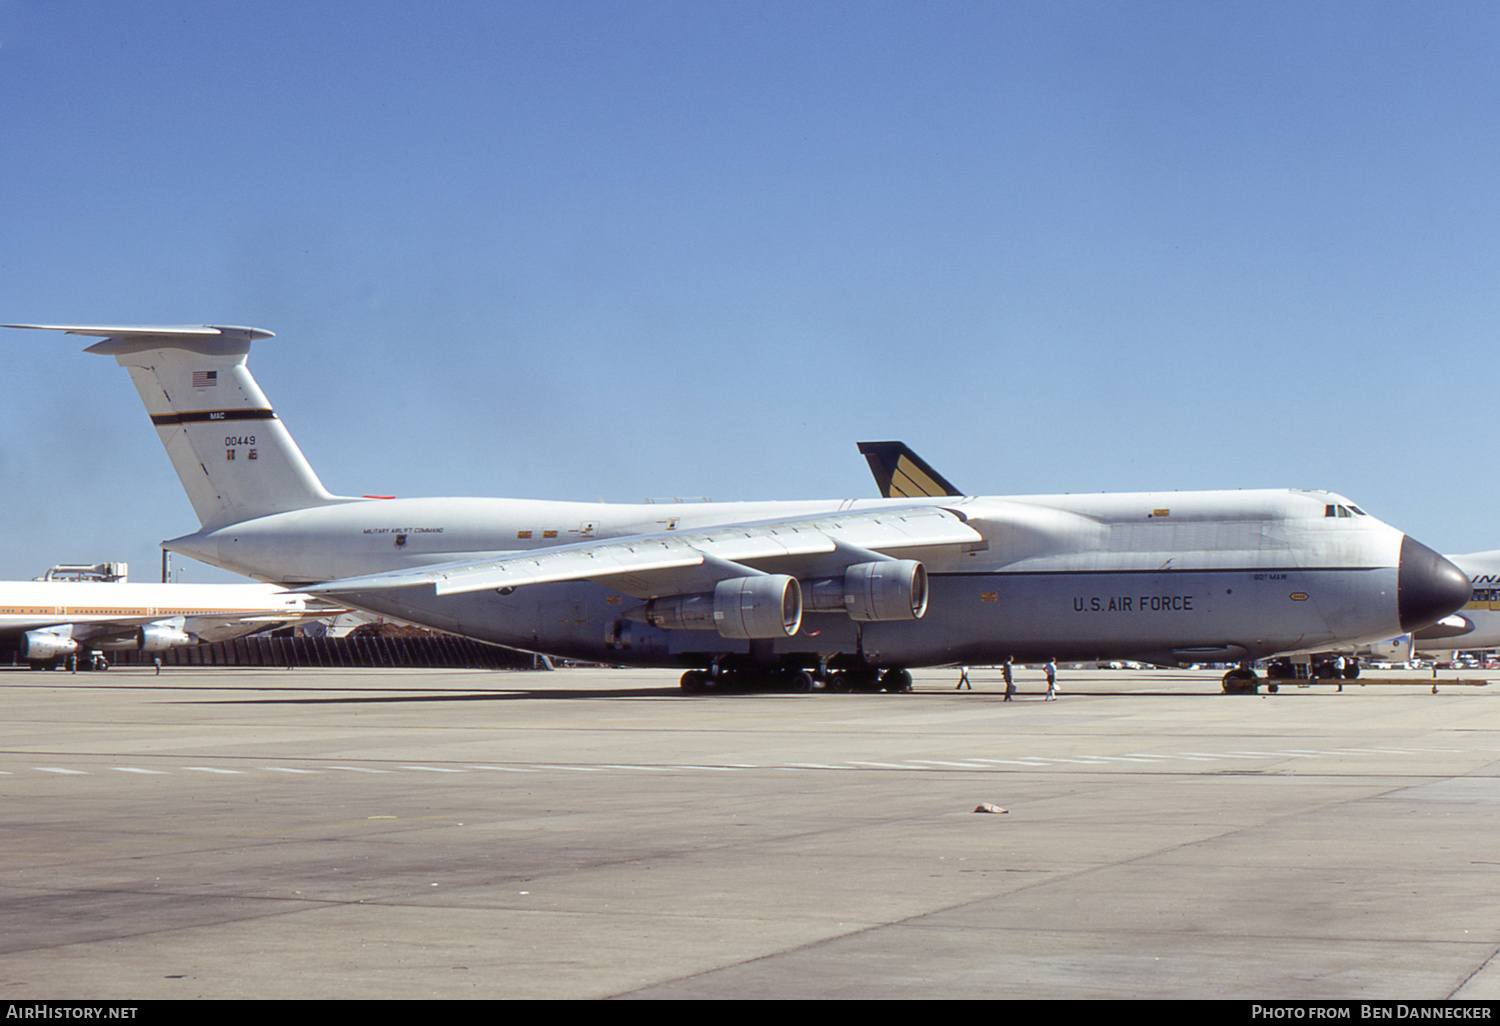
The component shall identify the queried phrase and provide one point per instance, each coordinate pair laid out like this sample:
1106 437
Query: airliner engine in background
853 592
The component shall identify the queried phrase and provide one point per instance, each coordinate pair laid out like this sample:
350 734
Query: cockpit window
1333 510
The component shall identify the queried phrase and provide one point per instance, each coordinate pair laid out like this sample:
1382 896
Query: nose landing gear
1242 681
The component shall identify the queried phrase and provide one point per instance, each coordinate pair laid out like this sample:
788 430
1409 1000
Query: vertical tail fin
234 457
901 473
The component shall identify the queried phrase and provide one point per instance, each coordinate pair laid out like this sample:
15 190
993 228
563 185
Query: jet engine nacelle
893 589
39 645
766 606
155 638
758 607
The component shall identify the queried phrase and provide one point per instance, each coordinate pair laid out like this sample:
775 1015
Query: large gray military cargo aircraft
850 593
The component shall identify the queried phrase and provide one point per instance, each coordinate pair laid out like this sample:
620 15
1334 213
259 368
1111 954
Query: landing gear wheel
694 680
1241 681
896 680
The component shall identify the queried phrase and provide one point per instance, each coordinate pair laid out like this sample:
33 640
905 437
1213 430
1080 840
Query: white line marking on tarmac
975 763
1057 758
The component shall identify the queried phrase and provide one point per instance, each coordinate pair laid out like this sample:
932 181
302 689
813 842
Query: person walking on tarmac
1010 684
1051 680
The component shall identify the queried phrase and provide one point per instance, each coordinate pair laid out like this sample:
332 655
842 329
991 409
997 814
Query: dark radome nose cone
1428 587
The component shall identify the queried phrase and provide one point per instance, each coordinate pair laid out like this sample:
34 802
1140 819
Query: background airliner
47 622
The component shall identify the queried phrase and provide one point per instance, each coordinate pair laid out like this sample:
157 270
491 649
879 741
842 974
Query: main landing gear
796 679
748 680
893 680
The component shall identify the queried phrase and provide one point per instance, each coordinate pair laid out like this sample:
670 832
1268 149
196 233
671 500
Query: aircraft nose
1428 587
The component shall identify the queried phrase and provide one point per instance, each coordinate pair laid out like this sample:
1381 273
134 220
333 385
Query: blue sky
619 250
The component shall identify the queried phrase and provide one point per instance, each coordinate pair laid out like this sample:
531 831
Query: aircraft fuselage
1180 576
849 586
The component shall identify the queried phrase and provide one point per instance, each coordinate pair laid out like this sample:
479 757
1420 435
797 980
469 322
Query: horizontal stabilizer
137 332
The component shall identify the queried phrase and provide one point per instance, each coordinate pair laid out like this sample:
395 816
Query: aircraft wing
206 627
225 628
679 562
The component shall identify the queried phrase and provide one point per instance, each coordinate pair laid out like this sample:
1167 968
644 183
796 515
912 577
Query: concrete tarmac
585 833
